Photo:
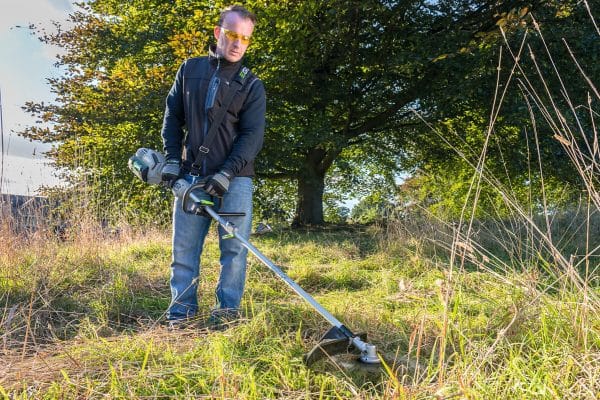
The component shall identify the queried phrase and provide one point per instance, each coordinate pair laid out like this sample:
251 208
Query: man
195 102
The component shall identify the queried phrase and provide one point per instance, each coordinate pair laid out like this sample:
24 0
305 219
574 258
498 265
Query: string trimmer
147 165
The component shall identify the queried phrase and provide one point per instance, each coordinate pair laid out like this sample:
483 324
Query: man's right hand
218 184
171 171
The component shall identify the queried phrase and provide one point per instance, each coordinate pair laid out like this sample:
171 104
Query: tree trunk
309 208
311 185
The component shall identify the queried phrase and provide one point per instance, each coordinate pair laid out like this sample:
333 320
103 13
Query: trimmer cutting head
337 342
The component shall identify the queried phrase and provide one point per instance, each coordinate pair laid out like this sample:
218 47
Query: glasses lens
233 36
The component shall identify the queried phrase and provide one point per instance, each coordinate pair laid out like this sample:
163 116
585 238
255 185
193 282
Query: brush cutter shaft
368 351
231 229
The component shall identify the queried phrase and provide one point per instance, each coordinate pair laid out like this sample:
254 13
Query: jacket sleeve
174 119
251 129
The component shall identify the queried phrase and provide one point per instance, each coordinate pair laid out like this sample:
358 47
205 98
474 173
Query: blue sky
25 65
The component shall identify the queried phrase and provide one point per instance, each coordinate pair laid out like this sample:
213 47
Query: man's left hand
171 171
218 184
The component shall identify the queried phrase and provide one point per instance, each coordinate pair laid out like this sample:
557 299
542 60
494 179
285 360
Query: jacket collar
214 58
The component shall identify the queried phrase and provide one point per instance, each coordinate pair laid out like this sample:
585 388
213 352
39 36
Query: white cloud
38 12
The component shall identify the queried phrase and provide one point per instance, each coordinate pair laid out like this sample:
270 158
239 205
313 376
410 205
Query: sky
25 64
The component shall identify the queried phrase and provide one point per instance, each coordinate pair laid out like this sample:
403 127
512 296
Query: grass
478 309
81 319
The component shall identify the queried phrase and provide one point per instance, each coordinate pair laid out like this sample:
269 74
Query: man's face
232 36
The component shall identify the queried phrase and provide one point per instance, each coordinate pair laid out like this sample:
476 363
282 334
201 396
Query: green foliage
346 75
341 79
374 208
529 155
275 202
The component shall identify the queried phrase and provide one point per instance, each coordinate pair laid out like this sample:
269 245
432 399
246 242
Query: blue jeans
189 232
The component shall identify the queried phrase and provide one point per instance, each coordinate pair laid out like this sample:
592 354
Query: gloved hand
147 165
218 184
171 171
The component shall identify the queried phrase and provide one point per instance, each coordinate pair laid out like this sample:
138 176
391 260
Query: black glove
171 171
218 184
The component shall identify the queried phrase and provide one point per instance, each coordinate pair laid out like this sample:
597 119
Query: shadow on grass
56 314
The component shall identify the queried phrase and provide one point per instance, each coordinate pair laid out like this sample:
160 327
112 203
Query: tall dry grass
49 271
550 258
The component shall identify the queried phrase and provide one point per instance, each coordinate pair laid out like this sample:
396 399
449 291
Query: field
494 318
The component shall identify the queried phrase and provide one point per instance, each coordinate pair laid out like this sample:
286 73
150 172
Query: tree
342 80
547 77
346 75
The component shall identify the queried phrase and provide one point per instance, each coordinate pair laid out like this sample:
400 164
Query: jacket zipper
213 87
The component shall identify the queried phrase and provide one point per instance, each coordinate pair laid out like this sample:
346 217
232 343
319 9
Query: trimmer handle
191 203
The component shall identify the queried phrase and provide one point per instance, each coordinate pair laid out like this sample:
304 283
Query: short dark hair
241 10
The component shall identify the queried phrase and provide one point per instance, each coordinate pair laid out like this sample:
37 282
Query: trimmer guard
333 342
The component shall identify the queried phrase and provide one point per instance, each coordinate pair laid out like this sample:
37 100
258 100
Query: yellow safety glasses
233 36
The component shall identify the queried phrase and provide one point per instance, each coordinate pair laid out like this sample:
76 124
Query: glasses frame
233 36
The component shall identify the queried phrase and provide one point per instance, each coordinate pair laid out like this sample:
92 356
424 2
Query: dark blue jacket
189 113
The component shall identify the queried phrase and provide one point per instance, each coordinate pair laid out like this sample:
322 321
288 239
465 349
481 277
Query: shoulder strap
235 86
